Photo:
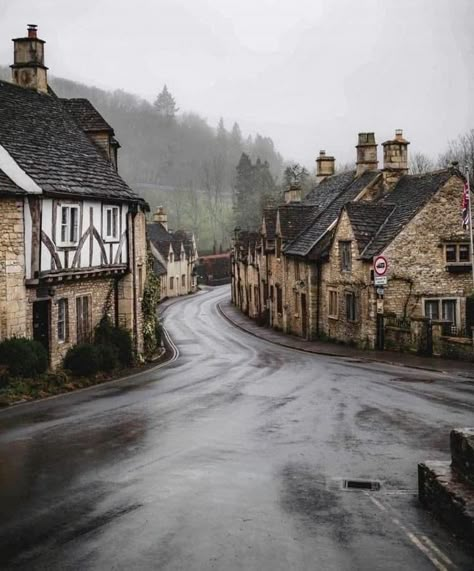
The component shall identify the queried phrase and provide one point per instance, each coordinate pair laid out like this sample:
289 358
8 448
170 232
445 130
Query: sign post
380 280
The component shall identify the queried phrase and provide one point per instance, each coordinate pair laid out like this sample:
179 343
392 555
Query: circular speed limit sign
380 266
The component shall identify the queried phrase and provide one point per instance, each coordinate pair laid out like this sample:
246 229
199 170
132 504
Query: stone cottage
175 254
72 233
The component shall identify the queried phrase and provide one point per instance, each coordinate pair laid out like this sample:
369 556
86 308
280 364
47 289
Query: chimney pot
325 166
32 30
366 153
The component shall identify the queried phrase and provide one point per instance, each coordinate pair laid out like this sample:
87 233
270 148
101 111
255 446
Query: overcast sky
310 74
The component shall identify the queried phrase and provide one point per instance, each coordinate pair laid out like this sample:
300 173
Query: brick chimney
325 166
161 217
366 153
293 194
28 69
395 159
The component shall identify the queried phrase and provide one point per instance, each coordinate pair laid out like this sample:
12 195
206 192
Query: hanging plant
151 297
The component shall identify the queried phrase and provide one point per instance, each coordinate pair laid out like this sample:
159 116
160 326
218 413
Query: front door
41 323
304 316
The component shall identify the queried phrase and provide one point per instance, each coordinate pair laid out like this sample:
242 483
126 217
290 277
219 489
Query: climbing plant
151 297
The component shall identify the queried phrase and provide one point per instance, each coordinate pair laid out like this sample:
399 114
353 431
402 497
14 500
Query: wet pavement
231 457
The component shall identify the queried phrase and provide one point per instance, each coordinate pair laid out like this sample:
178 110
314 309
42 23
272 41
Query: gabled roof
410 195
158 268
46 142
86 115
330 195
366 219
163 239
293 218
7 186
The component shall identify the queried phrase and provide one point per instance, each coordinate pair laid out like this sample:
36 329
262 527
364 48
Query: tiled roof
331 195
7 186
294 218
46 142
366 219
158 268
408 197
86 115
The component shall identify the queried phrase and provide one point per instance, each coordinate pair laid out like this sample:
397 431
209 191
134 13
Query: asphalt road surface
233 456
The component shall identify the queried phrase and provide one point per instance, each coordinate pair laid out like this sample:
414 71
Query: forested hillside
175 158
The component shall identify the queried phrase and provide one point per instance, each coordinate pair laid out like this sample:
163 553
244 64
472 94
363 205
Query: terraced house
315 256
72 233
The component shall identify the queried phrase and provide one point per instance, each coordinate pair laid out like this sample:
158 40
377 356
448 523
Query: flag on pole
465 206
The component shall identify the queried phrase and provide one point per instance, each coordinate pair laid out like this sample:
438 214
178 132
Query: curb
331 354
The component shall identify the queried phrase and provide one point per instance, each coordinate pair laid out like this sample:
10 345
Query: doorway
304 316
41 323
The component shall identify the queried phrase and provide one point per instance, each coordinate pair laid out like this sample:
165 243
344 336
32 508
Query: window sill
334 317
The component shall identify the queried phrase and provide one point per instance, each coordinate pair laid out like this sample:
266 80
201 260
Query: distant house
214 269
175 255
310 269
72 233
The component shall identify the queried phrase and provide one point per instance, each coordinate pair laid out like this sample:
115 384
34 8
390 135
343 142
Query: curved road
231 457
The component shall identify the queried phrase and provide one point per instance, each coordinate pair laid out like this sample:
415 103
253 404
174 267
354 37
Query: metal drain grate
372 485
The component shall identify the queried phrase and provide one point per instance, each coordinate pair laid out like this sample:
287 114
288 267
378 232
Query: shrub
117 338
108 356
23 357
83 360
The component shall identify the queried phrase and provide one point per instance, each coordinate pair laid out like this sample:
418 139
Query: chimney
325 166
395 160
293 194
161 217
366 153
28 69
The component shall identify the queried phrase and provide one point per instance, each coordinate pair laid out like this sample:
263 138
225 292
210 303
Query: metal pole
470 223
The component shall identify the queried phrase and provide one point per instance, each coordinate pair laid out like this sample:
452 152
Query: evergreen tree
165 104
243 203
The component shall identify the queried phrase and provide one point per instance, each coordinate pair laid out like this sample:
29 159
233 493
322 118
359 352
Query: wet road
231 457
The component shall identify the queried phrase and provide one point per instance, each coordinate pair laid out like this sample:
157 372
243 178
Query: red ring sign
380 265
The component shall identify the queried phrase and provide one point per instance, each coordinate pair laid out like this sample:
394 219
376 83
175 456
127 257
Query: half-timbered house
72 233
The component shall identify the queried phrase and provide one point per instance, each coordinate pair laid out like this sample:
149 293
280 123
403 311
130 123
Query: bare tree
420 164
461 150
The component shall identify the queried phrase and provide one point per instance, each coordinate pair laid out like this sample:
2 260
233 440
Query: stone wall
13 314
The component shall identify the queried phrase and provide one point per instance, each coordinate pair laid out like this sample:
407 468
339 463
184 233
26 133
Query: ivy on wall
151 297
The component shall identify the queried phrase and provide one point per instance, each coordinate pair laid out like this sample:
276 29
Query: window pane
450 253
64 223
464 253
108 231
449 310
114 222
74 222
432 309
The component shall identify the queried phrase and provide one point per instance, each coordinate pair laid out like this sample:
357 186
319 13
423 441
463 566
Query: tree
420 164
461 150
295 175
165 104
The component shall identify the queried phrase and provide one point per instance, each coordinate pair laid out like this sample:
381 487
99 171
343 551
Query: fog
309 74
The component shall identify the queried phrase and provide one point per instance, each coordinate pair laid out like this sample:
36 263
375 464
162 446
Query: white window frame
63 335
335 293
72 238
111 234
440 307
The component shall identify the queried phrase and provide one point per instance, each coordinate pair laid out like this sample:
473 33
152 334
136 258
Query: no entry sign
380 266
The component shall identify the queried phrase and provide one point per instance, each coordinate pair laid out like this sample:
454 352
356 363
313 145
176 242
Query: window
63 321
171 257
332 303
278 247
351 313
171 283
69 225
183 280
112 223
279 296
445 309
457 253
297 303
297 271
345 255
140 281
83 322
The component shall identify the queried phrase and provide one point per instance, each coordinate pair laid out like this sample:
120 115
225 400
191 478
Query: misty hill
182 162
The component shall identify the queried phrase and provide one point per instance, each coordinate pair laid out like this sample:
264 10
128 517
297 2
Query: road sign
380 280
380 291
380 266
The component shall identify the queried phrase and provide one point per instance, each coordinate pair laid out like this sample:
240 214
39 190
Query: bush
108 356
117 338
23 357
83 360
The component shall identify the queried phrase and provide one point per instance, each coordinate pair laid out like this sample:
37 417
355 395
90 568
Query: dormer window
69 225
111 223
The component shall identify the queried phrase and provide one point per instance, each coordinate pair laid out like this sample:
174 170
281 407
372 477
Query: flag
465 206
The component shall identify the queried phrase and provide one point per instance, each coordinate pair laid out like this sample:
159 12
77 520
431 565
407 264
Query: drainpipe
318 296
134 284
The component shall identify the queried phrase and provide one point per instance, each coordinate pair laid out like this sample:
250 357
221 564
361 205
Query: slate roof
86 115
366 219
47 143
330 196
295 217
7 186
410 195
158 267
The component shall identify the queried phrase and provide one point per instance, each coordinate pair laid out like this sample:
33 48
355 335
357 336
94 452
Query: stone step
448 496
462 452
